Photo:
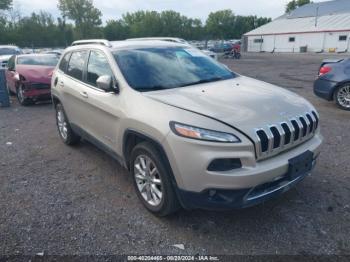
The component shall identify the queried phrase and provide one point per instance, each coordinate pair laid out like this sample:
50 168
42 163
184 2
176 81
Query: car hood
5 57
242 102
36 74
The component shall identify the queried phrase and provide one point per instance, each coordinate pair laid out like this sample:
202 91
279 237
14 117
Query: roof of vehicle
38 55
9 46
126 44
169 39
91 41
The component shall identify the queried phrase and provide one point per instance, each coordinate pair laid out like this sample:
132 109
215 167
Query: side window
97 66
11 63
76 64
64 62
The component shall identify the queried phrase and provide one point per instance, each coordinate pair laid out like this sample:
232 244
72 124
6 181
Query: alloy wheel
343 96
62 124
20 94
148 180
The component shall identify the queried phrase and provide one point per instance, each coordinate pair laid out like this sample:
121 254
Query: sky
113 9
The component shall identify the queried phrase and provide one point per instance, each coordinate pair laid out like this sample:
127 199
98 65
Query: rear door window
76 64
64 62
97 66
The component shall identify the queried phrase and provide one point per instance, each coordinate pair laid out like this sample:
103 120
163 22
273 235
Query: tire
21 99
342 96
9 90
64 129
151 185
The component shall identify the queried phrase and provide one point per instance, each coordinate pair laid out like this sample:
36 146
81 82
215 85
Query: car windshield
47 60
149 69
9 51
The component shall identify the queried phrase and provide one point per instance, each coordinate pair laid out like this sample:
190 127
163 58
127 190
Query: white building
317 27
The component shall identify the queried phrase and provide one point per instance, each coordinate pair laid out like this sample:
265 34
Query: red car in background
29 76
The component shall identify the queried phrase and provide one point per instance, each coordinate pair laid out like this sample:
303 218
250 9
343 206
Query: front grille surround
276 138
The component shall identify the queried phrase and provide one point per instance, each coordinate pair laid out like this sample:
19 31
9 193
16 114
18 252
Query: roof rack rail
92 41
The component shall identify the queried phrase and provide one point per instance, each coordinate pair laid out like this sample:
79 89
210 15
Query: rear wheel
21 98
64 129
152 180
342 96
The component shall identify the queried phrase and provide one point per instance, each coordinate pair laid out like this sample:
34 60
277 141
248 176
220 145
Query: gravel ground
64 200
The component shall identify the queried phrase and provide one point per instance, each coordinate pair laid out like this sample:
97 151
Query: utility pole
316 18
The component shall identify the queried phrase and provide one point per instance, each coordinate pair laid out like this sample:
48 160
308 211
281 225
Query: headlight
202 134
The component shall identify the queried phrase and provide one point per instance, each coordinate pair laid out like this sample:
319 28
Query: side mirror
105 83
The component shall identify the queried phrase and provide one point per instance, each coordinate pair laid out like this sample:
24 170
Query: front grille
279 137
40 86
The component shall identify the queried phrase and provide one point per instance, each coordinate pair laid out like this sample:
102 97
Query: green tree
5 4
292 5
220 24
40 29
116 30
87 18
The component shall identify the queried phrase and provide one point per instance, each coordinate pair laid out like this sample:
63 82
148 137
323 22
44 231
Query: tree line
294 4
80 19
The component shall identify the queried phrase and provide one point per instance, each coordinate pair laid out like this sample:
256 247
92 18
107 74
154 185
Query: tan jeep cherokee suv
191 132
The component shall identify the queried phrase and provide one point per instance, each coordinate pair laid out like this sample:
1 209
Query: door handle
84 94
61 84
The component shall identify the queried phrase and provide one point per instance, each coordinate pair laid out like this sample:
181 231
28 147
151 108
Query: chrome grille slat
292 131
271 140
300 128
276 138
307 125
314 122
282 135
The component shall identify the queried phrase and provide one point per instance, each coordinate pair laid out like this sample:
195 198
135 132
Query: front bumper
324 88
189 160
41 93
218 199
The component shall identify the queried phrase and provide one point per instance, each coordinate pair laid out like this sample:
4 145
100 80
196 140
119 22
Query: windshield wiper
151 88
214 79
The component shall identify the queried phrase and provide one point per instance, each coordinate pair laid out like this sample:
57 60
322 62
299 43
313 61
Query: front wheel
11 93
21 98
342 96
152 180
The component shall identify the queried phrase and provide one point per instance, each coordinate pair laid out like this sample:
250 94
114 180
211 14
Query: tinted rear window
76 64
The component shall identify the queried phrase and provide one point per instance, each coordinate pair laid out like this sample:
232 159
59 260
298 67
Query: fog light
225 164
